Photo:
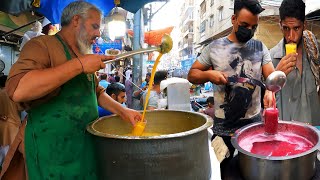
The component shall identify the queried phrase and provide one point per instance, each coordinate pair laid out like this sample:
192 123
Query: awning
52 9
15 14
18 23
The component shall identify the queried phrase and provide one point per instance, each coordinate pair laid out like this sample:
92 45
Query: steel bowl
292 167
180 152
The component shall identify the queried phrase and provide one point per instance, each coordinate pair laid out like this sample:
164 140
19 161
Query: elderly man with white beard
54 81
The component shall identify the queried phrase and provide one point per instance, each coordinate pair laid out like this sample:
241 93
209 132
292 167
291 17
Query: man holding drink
294 55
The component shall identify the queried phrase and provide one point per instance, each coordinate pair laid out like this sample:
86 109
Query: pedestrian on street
155 92
129 90
103 80
210 109
117 92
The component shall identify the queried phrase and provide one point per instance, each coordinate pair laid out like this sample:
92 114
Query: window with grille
203 26
211 21
202 9
220 17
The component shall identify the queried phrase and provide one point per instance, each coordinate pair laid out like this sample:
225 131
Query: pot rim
208 124
234 141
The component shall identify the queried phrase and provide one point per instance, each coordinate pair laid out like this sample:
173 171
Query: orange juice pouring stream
139 127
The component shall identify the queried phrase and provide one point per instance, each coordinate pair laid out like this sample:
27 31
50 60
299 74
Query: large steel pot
294 167
182 152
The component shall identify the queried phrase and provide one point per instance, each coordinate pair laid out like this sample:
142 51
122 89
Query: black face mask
244 34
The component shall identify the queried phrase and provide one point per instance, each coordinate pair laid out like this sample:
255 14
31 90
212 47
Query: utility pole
139 62
137 59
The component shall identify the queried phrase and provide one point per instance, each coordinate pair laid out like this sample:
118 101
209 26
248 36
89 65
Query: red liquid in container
271 120
281 144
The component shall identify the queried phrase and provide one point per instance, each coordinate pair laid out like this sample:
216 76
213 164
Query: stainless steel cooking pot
294 167
181 152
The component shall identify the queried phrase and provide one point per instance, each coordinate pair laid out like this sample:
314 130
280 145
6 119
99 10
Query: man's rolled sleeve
34 56
204 58
266 55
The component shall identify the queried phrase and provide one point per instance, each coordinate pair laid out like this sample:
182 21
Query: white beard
84 46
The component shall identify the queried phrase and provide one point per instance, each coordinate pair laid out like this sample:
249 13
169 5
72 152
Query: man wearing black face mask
244 34
237 55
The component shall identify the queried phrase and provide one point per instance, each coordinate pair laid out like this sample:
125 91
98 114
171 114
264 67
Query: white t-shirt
128 73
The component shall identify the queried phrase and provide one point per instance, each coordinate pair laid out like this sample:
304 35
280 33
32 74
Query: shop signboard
102 46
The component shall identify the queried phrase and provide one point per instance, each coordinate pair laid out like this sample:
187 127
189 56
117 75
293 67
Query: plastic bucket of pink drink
290 154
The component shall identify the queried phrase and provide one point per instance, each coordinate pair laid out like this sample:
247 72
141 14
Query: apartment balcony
185 46
187 9
188 33
188 20
186 36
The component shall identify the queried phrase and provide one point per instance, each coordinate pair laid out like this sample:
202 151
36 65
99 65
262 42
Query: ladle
165 47
275 81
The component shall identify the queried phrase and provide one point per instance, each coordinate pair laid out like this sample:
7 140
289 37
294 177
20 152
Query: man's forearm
197 76
38 83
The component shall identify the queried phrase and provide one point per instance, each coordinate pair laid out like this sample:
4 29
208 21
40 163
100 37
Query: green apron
57 145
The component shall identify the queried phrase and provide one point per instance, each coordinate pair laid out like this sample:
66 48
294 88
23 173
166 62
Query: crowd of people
115 87
60 71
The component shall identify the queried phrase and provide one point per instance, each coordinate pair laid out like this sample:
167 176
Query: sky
168 15
312 5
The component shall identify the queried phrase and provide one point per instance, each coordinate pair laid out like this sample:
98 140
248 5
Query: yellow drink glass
138 128
291 48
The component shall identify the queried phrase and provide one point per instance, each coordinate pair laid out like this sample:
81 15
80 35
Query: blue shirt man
117 92
103 82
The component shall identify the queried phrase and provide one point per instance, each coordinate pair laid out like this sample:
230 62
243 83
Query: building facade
186 26
215 22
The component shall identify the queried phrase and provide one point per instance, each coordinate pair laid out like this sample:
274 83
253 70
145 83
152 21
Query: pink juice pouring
271 120
271 116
